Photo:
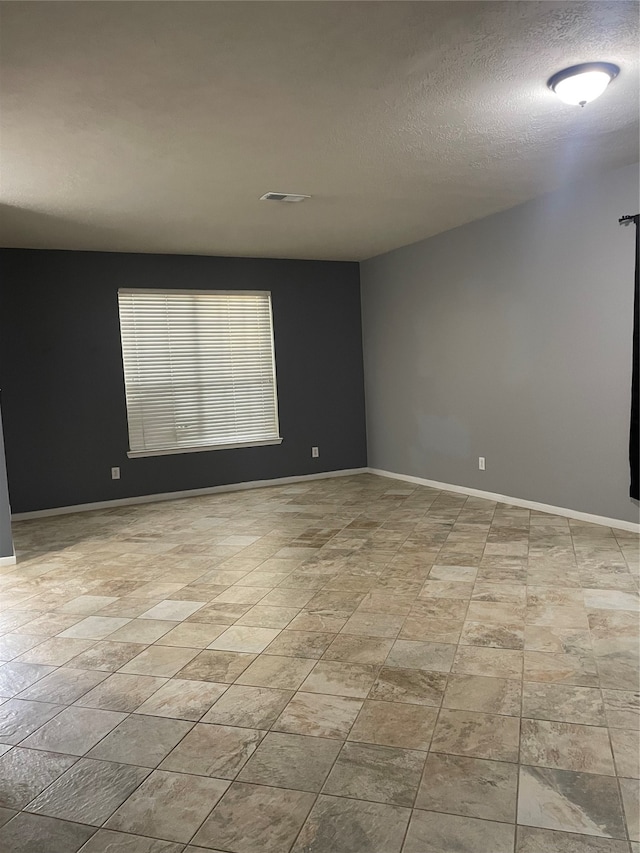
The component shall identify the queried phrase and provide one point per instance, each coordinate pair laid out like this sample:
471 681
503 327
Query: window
199 370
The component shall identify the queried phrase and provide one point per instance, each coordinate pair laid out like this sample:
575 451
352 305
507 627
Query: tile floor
353 665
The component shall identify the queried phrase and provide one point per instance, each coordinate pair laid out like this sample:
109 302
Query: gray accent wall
6 541
510 338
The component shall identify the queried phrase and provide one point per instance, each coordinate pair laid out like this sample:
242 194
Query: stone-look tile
223 667
211 750
501 663
55 651
532 840
337 825
626 752
410 654
31 833
477 735
6 815
24 773
291 761
564 702
430 832
319 715
74 730
630 789
472 787
249 707
16 677
557 640
192 635
446 589
611 599
560 668
86 604
300 644
275 671
19 718
494 635
163 661
106 656
478 693
317 621
120 692
242 638
89 792
394 724
378 773
172 610
340 679
255 819
219 613
495 612
433 629
143 631
374 624
64 685
109 841
363 650
94 628
141 740
622 708
182 699
168 805
13 645
570 802
566 746
271 617
414 686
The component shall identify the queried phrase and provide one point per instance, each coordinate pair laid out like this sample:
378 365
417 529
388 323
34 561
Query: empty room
319 379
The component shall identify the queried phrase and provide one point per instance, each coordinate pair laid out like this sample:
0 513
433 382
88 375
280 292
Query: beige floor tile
291 761
86 604
19 718
168 805
13 645
120 692
337 825
223 667
276 671
192 635
251 707
63 685
362 650
501 663
414 686
268 616
622 708
89 792
472 787
94 627
626 752
301 644
430 832
374 625
106 656
175 610
505 635
532 840
255 819
340 679
409 654
480 693
319 715
564 702
560 668
377 773
182 699
74 731
566 746
29 832
142 631
55 651
213 750
110 841
242 638
141 740
163 661
477 735
630 790
395 724
24 773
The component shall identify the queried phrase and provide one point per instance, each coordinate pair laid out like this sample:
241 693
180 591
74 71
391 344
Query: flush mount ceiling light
583 83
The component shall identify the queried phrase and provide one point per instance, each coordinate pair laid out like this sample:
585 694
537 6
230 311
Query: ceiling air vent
283 197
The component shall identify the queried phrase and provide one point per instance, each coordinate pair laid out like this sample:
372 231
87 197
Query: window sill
137 454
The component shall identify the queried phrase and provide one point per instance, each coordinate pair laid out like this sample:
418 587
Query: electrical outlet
481 463
315 452
115 473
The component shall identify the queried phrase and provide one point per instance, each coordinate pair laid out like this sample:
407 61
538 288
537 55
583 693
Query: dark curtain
634 434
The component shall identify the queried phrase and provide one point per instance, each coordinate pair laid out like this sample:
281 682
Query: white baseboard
188 493
617 523
8 561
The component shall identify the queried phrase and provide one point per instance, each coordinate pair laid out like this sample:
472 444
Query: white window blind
199 369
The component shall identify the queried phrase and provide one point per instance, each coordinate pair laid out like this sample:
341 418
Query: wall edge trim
618 524
186 493
8 561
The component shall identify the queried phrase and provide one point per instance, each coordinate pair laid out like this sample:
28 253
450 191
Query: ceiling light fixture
583 83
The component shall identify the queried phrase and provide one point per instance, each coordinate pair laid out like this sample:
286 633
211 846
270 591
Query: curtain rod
627 220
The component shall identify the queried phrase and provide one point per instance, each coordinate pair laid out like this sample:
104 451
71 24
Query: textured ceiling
156 126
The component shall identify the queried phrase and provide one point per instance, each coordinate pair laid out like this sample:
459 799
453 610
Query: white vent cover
283 197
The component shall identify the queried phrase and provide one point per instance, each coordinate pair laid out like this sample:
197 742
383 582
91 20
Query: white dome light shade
581 84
